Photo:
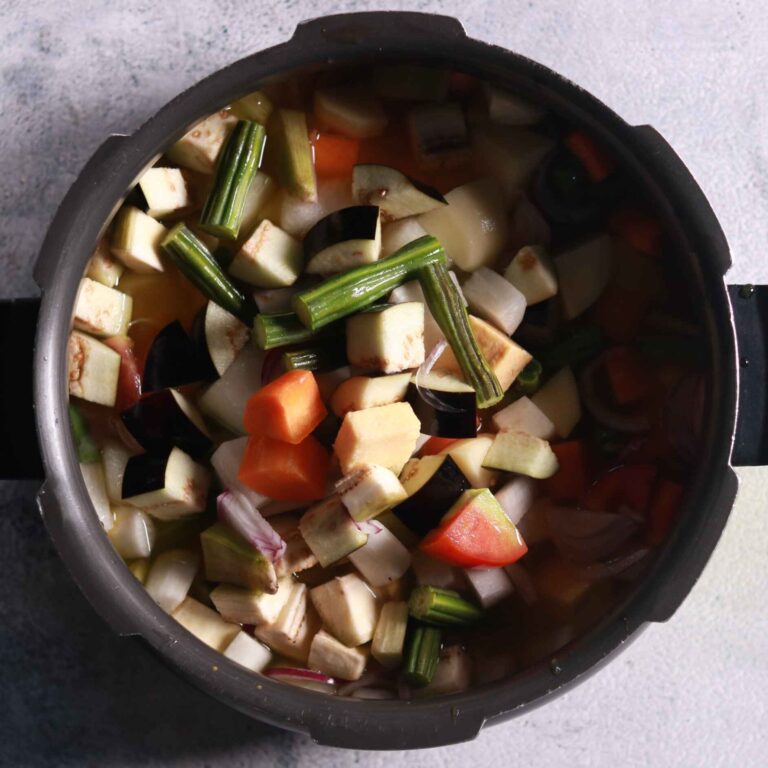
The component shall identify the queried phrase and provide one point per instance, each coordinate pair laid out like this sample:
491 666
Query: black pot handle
750 318
19 450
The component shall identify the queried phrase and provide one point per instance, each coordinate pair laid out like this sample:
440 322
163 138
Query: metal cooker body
122 601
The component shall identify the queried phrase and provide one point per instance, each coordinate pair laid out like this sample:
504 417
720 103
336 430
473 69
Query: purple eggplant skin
157 422
425 509
174 360
456 418
358 222
200 340
145 473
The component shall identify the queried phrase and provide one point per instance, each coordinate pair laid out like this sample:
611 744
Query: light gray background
689 693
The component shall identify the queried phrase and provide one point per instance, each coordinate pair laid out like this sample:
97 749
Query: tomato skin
471 538
627 485
129 377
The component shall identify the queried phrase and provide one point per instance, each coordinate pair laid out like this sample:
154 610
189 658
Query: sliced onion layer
303 678
236 510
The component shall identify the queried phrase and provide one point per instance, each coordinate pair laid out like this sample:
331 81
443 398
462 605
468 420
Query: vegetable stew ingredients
87 450
248 652
330 532
228 557
351 111
389 637
495 299
101 311
170 577
284 471
237 511
442 607
347 238
396 195
475 532
422 654
328 655
288 408
370 491
269 258
136 240
469 456
359 392
521 453
444 405
205 624
291 153
524 416
347 607
532 272
334 155
93 369
383 559
559 401
174 360
224 336
582 273
165 191
237 166
358 288
251 606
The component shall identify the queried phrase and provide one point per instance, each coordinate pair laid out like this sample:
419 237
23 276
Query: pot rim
74 526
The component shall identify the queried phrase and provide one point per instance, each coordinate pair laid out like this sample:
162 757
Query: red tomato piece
570 480
629 485
129 377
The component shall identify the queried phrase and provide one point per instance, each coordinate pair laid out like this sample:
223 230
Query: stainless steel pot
122 601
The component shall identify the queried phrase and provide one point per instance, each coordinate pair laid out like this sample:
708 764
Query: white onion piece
607 416
524 584
371 527
491 585
584 536
226 461
237 511
495 299
516 497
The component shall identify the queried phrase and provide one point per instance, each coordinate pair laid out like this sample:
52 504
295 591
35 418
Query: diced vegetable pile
385 386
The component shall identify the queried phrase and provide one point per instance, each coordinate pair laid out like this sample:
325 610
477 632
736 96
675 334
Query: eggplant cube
532 272
100 310
371 491
103 267
559 401
390 339
248 652
524 416
165 190
328 655
166 485
205 624
199 148
269 258
230 558
583 273
292 633
251 606
330 532
133 533
347 607
383 559
136 240
93 369
360 392
522 453
385 435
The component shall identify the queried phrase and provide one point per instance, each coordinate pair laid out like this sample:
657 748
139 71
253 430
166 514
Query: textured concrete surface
688 693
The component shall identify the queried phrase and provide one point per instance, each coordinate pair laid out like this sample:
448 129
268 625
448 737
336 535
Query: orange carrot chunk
627 376
570 481
643 232
284 471
334 155
663 513
289 409
596 160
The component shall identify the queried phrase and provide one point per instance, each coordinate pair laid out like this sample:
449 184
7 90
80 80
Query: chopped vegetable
522 453
222 336
205 624
448 309
238 512
87 450
382 559
194 259
225 399
528 380
104 268
439 135
256 106
292 633
453 674
491 585
532 272
136 240
472 227
165 191
397 234
288 408
570 481
389 637
95 485
475 532
517 497
524 416
627 376
292 152
422 654
269 258
397 195
100 310
359 288
559 401
324 356
344 239
507 108
129 378
115 457
388 338
351 111
433 485
469 456
133 533
248 652
495 299
251 606
174 360
93 369
582 273
629 485
359 392
199 148
640 230
330 532
167 485
444 405
170 577
160 420
230 558
442 607
334 156
328 655
385 435
347 607
370 491
284 471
